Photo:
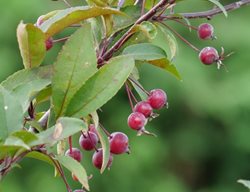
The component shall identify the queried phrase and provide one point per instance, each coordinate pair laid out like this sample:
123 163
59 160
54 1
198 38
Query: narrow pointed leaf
64 128
101 87
31 42
75 168
153 55
246 183
67 17
75 64
218 4
105 147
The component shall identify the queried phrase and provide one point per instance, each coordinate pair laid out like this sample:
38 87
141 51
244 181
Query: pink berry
144 107
79 190
208 55
88 141
98 158
92 129
157 98
49 43
75 154
136 120
118 143
205 31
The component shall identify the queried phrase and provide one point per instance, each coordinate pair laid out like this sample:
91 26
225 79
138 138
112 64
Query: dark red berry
75 154
208 55
88 141
79 190
118 143
92 129
205 31
49 43
98 158
144 107
157 98
136 120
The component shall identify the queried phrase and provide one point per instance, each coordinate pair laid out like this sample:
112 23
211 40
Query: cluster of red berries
143 110
49 42
89 140
208 55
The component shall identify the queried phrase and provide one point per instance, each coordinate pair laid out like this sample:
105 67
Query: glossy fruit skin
49 43
144 107
118 143
88 141
208 55
136 120
79 190
157 98
75 154
98 158
205 31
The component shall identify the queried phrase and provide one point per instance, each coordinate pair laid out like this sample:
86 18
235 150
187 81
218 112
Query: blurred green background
203 142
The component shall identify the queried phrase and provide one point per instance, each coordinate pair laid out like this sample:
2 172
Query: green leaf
40 156
167 66
153 55
44 95
11 114
218 4
71 16
101 87
132 14
64 128
25 84
75 64
105 146
75 168
144 52
17 142
147 28
246 183
25 136
165 40
31 42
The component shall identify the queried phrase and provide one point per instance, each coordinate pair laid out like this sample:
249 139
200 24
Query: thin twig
129 97
182 38
129 33
208 14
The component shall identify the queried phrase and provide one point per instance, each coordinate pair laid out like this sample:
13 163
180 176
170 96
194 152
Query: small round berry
88 141
75 154
118 143
144 107
49 43
208 55
205 31
79 190
92 129
136 120
98 158
157 98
